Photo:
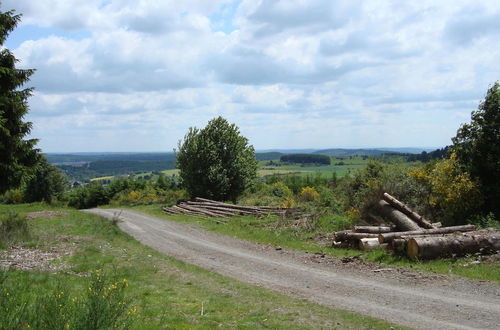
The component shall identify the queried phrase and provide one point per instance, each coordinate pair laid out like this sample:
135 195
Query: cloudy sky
129 75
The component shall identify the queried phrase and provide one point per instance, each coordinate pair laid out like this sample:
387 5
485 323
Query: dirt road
397 295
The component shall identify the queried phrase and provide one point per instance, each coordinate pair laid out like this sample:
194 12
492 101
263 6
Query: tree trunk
459 244
401 221
398 245
369 244
200 211
408 211
373 229
388 237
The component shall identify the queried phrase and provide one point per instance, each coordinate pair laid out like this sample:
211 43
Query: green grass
269 230
167 293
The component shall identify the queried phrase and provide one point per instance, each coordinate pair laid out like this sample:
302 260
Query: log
398 245
408 211
199 210
369 244
340 236
356 236
452 245
401 221
373 229
220 208
388 237
183 211
263 209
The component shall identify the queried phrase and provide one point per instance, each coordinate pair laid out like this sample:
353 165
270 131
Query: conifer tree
18 155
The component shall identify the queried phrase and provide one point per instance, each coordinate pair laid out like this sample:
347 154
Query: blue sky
135 75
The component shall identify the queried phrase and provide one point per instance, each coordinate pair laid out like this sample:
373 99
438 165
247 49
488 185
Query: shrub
453 198
308 194
12 227
13 196
101 306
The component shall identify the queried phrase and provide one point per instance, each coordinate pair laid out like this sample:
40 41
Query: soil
34 259
398 295
46 214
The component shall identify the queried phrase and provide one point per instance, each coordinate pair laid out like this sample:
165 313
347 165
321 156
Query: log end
412 249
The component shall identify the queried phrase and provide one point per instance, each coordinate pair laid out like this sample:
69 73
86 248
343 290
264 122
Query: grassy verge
165 292
271 231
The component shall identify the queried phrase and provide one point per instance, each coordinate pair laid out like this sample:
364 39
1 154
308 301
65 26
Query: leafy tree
47 183
17 154
477 146
216 162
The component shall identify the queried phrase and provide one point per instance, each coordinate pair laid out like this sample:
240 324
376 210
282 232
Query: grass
166 293
269 230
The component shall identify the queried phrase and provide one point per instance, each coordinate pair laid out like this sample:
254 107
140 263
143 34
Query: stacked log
210 208
417 237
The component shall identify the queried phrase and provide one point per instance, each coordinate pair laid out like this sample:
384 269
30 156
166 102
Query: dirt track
397 295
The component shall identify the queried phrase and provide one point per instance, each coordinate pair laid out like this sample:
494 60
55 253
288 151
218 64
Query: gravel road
398 295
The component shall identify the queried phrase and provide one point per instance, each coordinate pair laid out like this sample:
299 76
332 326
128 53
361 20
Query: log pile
417 237
210 208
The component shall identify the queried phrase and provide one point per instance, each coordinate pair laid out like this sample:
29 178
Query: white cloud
290 73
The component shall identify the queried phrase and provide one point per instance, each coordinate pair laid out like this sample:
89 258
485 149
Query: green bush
102 305
13 227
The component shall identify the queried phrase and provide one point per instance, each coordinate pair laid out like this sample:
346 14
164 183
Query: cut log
388 237
408 211
369 244
356 236
373 229
340 236
202 211
458 245
398 245
402 222
183 211
437 224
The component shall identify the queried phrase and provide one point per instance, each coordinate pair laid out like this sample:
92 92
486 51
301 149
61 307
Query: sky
132 75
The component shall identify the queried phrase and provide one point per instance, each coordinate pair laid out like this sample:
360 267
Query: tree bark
388 237
408 211
373 229
402 222
459 244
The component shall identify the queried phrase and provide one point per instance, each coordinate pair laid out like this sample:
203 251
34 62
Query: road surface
397 295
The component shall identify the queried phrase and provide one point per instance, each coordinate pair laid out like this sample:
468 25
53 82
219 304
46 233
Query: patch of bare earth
49 260
45 214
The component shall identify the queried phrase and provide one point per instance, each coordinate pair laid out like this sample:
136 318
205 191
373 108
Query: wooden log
219 208
457 245
357 236
373 229
369 244
398 245
402 222
202 211
408 211
437 224
183 211
388 237
260 209
170 211
340 236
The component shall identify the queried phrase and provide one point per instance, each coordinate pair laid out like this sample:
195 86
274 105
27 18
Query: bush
101 306
453 197
14 196
13 227
308 194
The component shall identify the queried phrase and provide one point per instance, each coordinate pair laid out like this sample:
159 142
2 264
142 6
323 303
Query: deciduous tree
216 162
477 146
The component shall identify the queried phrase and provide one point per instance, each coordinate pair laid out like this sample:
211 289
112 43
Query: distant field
102 178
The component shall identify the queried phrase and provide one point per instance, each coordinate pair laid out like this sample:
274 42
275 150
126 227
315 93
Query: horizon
114 75
256 150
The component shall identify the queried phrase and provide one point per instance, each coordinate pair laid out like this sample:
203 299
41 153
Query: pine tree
17 154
